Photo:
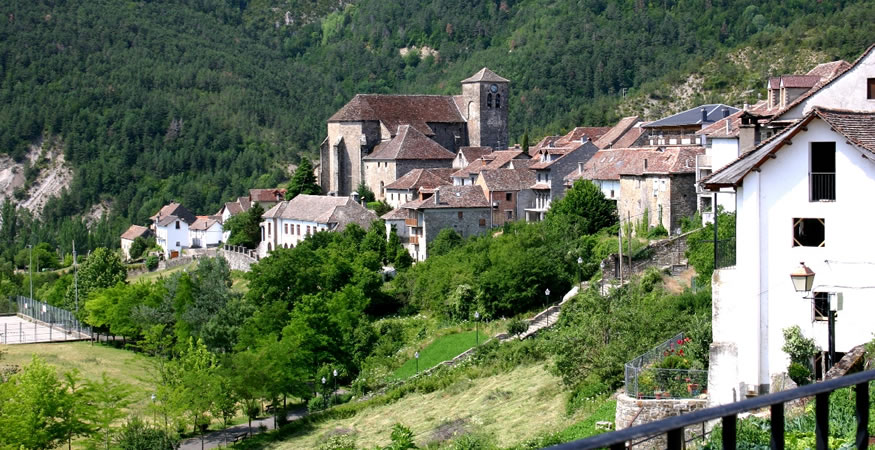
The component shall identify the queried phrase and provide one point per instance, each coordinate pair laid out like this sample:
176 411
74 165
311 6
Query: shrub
317 404
584 392
800 348
657 232
516 326
151 262
339 442
799 373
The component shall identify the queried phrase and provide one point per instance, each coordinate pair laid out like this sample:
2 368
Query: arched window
489 100
268 246
382 188
497 101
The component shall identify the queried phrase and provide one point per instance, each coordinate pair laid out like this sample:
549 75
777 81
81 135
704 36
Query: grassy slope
154 276
442 349
502 405
93 361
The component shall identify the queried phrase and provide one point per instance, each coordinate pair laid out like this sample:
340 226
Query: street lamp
154 411
477 325
416 355
579 270
803 281
323 388
335 385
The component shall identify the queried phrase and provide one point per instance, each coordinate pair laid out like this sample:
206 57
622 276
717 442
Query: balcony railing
703 161
823 186
411 222
675 139
673 427
414 240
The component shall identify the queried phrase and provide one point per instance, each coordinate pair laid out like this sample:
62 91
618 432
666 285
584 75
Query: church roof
395 110
485 75
409 144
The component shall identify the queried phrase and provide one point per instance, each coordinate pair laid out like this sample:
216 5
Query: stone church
379 138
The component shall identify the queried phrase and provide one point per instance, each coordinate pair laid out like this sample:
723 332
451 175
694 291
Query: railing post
862 415
821 421
729 432
777 426
675 439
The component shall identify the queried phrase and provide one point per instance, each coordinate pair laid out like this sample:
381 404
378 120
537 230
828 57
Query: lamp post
803 281
477 325
547 293
416 356
154 411
579 270
335 385
323 388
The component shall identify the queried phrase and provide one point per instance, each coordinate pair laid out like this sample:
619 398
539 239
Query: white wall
169 236
767 203
397 197
611 188
723 152
281 236
209 237
847 92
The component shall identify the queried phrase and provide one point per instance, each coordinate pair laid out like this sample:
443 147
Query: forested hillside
199 100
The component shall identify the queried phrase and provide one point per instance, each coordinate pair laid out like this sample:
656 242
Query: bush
151 262
318 403
657 232
800 348
338 442
516 326
583 393
137 435
799 373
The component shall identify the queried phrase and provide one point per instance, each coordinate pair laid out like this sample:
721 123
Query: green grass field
442 349
133 369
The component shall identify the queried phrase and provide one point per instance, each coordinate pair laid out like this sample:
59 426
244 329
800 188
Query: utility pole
714 210
30 269
629 240
620 246
75 280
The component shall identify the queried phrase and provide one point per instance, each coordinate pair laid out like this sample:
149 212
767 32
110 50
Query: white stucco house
206 231
171 226
803 195
288 223
131 234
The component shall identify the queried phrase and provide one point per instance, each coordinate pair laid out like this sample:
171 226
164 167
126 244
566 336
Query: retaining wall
665 253
631 411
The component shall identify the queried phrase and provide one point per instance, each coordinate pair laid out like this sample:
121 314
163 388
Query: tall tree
303 181
583 210
102 269
245 227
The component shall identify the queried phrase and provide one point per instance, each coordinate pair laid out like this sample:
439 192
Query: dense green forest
199 100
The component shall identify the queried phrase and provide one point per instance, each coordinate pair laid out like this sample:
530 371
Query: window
460 215
809 233
482 222
286 226
497 101
870 88
299 230
382 188
268 228
822 178
308 230
177 224
489 100
509 214
821 305
508 196
612 193
177 243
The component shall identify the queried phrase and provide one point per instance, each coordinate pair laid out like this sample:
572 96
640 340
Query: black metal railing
823 186
725 253
673 428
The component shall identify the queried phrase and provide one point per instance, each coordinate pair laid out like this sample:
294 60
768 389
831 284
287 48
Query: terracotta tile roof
167 220
774 82
337 211
837 71
245 203
452 197
472 168
136 231
609 164
629 137
580 133
267 195
508 179
855 126
799 81
693 116
829 70
498 159
718 128
485 75
174 209
395 214
395 110
203 223
472 153
541 186
233 208
422 178
608 139
408 144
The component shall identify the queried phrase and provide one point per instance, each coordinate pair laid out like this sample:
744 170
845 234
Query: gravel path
219 438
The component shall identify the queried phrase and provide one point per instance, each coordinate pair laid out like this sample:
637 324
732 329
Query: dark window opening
460 215
821 306
870 89
809 233
823 171
489 100
177 224
482 222
497 101
508 196
509 214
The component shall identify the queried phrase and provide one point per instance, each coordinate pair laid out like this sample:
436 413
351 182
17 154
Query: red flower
681 352
680 341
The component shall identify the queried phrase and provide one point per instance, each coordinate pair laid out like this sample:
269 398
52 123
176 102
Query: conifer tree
303 181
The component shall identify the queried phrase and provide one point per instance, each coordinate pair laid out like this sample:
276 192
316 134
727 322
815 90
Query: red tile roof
799 81
422 179
395 110
267 195
580 133
136 231
409 144
508 179
174 209
456 197
718 128
829 70
324 209
203 223
609 164
472 153
608 139
498 159
629 137
485 75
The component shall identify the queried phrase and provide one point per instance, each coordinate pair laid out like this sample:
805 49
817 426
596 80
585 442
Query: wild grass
154 276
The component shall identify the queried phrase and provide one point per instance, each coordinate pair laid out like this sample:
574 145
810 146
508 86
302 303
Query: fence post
35 337
50 331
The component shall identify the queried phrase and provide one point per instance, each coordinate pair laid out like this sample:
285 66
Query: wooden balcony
411 222
413 239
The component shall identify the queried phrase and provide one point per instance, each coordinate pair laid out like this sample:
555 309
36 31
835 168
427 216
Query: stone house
171 224
500 159
624 134
660 182
462 208
128 237
418 183
267 198
408 150
290 222
508 191
603 169
551 165
467 155
681 128
477 117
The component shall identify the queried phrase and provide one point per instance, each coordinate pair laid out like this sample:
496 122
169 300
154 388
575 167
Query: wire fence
40 322
644 380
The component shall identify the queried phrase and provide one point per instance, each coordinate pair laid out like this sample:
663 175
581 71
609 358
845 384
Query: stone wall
239 258
683 200
664 253
633 412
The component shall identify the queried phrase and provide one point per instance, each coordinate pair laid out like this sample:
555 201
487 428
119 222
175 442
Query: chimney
725 112
437 196
355 196
746 107
704 115
579 167
727 127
